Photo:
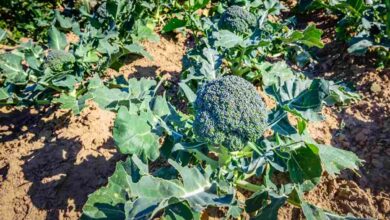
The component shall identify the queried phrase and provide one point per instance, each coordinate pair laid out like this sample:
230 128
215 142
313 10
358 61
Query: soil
51 160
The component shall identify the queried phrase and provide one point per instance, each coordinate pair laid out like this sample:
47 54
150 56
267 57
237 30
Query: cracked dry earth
50 160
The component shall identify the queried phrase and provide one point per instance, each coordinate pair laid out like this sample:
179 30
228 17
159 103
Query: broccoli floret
237 19
59 61
229 112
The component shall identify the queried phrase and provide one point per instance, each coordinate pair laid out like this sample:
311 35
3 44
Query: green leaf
194 5
359 47
305 165
311 212
3 34
68 82
226 39
191 96
257 201
105 97
272 73
303 98
3 94
294 37
12 67
203 64
57 40
142 31
178 211
308 5
108 202
70 102
358 5
134 135
154 194
141 89
116 7
65 22
137 49
173 24
160 106
278 121
270 211
312 37
340 95
336 160
234 212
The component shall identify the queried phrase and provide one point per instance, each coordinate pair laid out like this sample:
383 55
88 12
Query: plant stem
249 186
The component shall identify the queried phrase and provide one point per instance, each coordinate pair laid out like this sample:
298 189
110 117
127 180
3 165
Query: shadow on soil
62 173
369 141
59 181
32 120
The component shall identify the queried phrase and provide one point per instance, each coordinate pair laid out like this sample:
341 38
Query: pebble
375 87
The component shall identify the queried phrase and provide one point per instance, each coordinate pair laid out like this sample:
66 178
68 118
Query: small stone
375 87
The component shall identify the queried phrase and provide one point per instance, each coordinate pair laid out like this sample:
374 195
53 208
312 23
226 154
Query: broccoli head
237 19
59 61
229 112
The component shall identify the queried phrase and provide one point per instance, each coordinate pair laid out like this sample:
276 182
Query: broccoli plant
237 19
224 117
217 150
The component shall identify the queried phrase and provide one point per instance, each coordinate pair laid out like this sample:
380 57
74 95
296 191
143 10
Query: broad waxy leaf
3 34
65 22
279 122
135 193
105 97
203 64
195 188
303 98
143 32
11 66
336 160
194 5
270 211
3 94
304 165
70 102
180 211
134 135
312 37
191 96
360 47
227 39
266 209
108 202
272 73
138 49
57 40
173 24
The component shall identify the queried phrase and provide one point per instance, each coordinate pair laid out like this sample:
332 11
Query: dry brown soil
51 160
